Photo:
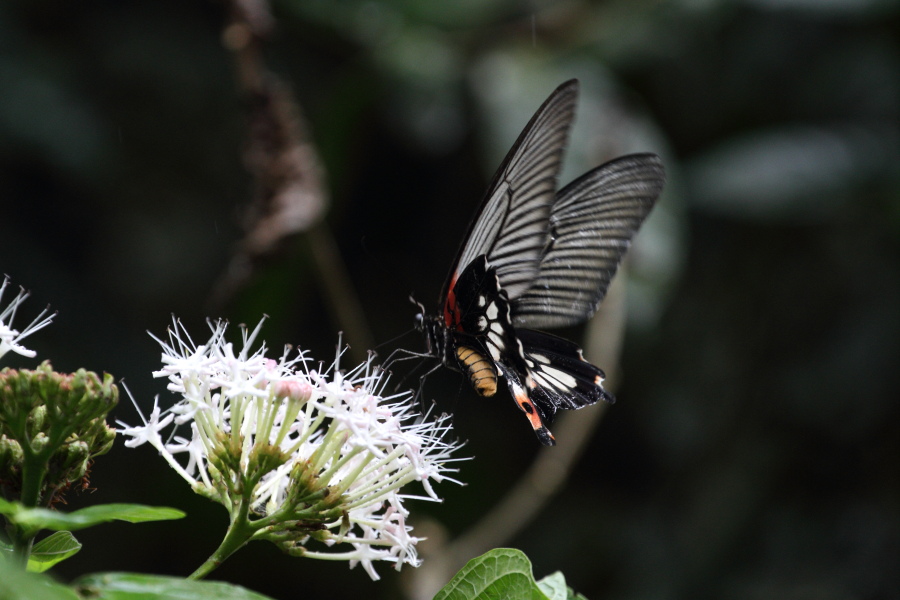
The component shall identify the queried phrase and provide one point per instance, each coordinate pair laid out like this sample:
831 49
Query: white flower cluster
334 433
9 337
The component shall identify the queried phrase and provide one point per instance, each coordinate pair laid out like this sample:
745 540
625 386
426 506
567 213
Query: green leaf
136 586
19 585
554 586
51 550
35 519
500 573
9 508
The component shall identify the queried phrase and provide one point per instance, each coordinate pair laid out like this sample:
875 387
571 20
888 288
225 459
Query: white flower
9 337
318 456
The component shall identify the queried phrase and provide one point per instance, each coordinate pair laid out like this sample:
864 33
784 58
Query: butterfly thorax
437 336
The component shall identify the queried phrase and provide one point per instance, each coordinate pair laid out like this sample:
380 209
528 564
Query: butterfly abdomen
481 371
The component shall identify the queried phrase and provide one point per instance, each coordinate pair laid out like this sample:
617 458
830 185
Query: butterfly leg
402 354
421 391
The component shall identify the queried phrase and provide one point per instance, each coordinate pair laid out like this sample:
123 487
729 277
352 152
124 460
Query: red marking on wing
531 413
451 310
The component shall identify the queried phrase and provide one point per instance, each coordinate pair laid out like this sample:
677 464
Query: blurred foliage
754 451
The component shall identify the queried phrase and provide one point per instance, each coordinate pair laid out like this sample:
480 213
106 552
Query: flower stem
34 468
239 533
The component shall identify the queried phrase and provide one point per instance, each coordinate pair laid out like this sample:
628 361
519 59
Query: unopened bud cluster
53 419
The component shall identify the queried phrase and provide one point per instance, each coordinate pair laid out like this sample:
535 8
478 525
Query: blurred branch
343 303
290 197
547 474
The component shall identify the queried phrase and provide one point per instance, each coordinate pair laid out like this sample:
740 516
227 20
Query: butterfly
534 258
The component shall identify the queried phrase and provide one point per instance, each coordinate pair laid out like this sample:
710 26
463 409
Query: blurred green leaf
789 172
51 550
554 587
19 585
500 573
9 508
35 519
136 586
823 7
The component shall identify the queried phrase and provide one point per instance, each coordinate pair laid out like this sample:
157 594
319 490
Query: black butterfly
537 258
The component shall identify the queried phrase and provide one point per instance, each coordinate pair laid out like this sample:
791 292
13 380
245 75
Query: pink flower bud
293 389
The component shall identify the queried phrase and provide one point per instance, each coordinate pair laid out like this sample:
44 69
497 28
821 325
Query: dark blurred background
755 448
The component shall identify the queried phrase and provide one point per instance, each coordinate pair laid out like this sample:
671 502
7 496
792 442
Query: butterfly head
429 325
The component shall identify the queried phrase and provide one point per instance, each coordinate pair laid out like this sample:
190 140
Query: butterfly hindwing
535 415
544 372
591 226
560 376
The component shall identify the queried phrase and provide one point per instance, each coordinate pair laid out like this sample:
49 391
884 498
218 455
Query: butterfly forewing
591 226
510 228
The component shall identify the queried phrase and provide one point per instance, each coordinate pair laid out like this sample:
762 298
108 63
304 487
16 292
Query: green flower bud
39 443
10 459
36 420
103 441
265 458
73 460
226 455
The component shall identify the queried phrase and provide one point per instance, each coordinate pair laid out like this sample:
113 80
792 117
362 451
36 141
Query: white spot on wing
567 381
492 311
496 339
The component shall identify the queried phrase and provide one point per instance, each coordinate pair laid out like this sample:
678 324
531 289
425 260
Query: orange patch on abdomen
481 371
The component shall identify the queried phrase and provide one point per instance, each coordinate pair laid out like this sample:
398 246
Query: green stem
239 533
34 468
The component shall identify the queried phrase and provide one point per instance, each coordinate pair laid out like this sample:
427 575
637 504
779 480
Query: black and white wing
510 228
560 375
591 226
